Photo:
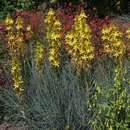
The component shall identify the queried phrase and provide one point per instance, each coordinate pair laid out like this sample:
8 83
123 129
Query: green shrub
9 6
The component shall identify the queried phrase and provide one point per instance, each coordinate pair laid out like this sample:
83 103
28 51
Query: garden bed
65 69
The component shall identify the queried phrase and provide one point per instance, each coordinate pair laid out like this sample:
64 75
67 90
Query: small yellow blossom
19 23
9 22
51 12
29 30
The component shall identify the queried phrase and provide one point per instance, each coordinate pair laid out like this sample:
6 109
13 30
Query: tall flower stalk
9 22
16 76
113 41
79 41
53 29
19 36
15 44
39 55
114 46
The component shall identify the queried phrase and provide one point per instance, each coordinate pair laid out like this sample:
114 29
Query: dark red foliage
30 17
66 16
96 25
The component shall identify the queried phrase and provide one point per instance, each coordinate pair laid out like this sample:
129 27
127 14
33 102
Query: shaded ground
6 126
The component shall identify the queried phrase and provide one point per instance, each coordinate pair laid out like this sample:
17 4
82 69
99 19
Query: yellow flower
11 42
128 33
53 55
51 12
39 55
113 41
19 23
29 29
14 37
9 21
14 43
57 23
53 29
16 76
82 14
78 41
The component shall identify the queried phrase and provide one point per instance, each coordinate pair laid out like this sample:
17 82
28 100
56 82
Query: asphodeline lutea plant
10 36
79 41
9 22
114 46
14 36
53 29
16 76
19 38
14 40
113 41
39 55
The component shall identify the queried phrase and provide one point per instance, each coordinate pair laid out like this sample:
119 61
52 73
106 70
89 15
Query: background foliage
103 7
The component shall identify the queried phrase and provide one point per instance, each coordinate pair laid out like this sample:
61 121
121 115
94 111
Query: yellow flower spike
51 12
53 29
39 55
9 27
50 16
113 41
9 22
128 33
53 56
15 41
16 76
19 36
114 46
10 36
82 15
19 23
19 43
79 43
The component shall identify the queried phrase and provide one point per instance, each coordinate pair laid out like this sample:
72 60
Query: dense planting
66 69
